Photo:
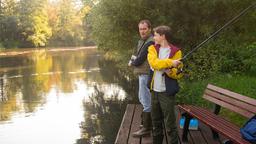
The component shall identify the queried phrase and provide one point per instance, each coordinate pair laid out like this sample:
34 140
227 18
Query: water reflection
62 97
102 112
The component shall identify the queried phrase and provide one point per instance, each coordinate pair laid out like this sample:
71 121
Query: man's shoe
141 132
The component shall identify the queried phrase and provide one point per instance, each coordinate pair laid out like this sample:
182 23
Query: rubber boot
147 125
147 120
158 139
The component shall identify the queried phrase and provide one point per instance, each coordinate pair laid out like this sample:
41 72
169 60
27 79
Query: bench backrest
243 105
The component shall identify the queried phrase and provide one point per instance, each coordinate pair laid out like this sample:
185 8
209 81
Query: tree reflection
29 89
104 113
102 117
2 96
8 102
114 72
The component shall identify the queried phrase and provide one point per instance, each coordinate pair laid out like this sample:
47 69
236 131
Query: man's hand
133 57
130 63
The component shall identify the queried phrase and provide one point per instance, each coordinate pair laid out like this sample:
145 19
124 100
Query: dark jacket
140 64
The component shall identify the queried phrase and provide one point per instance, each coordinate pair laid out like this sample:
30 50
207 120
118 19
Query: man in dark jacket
141 68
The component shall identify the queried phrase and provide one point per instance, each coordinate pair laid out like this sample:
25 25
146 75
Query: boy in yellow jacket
162 58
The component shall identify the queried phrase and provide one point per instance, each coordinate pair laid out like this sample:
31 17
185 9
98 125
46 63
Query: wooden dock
131 121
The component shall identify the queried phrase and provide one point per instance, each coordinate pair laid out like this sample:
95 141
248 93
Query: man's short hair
146 22
164 30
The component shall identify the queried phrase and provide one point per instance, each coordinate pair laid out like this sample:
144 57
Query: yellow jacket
160 64
171 83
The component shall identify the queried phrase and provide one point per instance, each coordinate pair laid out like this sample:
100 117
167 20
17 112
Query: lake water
62 97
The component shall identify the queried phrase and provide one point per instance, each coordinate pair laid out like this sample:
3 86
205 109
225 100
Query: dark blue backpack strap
248 131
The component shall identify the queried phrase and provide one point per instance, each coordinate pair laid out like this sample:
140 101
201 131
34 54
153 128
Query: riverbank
14 52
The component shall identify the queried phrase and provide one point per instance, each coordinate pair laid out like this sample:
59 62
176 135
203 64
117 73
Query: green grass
191 92
1 46
243 84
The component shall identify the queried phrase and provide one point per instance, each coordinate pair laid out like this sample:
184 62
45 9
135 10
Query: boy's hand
175 63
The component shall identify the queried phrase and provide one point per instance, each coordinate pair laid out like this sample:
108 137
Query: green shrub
11 44
239 60
204 62
249 58
1 46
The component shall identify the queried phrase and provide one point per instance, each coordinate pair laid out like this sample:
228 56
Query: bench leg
217 108
215 135
227 141
186 126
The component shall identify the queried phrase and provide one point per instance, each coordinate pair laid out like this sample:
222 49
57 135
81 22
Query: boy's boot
147 125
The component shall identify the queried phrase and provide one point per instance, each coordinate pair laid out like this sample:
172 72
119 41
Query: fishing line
219 30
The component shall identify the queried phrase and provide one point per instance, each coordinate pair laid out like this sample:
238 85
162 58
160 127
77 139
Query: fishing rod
219 30
216 33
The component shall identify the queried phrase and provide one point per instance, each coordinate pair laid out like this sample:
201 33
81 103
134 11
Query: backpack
248 131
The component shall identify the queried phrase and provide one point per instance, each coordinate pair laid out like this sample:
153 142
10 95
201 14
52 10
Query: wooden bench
132 120
235 102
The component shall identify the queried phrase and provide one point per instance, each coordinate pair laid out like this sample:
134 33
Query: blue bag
248 131
193 124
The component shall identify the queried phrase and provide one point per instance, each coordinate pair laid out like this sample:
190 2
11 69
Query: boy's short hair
147 22
164 30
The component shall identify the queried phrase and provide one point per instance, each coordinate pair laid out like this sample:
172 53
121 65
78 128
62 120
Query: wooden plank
135 125
132 119
210 118
203 116
147 139
217 118
243 112
207 134
233 94
197 137
221 128
231 100
234 135
124 130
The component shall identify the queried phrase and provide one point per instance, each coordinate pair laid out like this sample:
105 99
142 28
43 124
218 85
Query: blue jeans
144 93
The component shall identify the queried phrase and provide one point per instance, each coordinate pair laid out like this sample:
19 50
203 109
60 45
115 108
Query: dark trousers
163 112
